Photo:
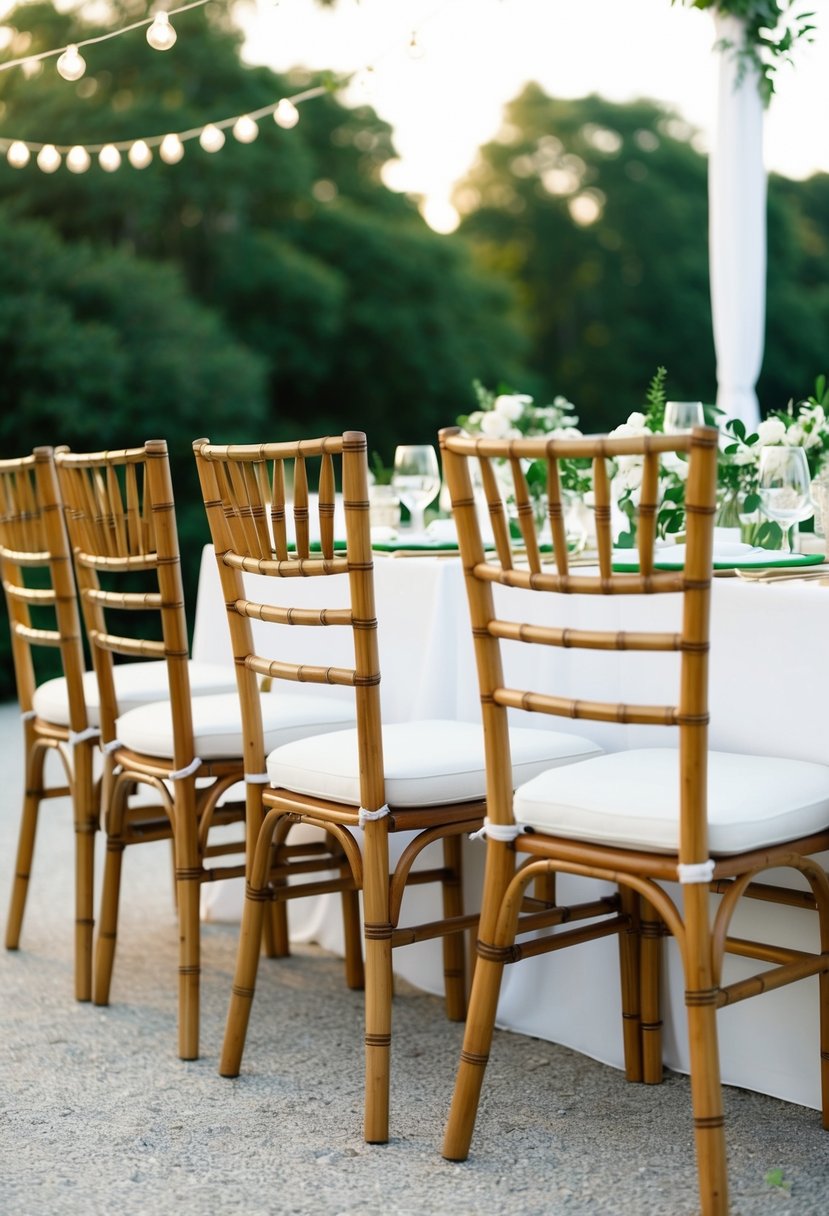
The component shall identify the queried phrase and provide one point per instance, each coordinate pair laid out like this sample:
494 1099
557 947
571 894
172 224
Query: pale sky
476 55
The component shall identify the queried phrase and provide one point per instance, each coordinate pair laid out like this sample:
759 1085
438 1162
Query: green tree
598 212
363 316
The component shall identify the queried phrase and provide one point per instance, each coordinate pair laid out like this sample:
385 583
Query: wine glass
683 416
784 487
416 478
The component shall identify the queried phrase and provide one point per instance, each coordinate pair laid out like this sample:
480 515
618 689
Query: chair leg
86 825
651 973
108 923
480 1023
188 888
353 940
25 844
454 951
706 1089
629 965
244 983
276 940
823 994
379 988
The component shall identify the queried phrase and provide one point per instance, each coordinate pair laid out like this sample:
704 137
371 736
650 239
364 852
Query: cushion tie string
700 871
505 832
257 778
364 816
81 736
111 746
181 773
28 714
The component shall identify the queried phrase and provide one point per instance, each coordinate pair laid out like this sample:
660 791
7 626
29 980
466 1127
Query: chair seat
217 723
429 763
135 684
631 799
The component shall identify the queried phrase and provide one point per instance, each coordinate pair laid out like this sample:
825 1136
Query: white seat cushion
632 799
217 723
135 684
427 763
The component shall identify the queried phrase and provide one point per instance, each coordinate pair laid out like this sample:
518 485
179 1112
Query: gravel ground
97 1114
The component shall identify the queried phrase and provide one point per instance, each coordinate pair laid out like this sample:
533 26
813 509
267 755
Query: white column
737 232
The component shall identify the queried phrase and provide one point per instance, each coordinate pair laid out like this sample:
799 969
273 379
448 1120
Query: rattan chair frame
120 516
702 940
33 537
247 508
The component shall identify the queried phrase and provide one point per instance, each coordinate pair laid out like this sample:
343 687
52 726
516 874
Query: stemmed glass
683 416
416 478
784 487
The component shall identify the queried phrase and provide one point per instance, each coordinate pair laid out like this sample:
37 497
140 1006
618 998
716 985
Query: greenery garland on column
772 29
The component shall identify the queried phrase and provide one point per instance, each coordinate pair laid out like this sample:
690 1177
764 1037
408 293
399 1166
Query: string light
161 35
211 138
162 41
18 155
139 154
286 114
78 159
109 158
245 129
48 159
171 149
71 65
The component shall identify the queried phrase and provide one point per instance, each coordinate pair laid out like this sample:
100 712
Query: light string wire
126 29
336 84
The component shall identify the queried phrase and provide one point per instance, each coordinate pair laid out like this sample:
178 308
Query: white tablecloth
769 676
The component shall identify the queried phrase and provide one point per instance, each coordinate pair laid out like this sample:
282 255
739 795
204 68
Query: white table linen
768 681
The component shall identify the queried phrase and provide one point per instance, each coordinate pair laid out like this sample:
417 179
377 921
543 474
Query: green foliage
772 28
599 213
776 1178
655 400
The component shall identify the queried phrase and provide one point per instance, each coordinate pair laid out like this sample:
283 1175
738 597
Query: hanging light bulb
245 130
18 155
77 159
286 114
109 158
161 34
139 155
71 65
211 138
48 159
171 150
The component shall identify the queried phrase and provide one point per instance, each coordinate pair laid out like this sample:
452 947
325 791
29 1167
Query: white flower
566 432
628 462
771 430
475 417
672 464
631 477
744 456
495 425
512 405
636 420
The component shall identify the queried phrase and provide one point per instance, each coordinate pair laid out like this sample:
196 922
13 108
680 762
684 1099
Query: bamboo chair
188 749
638 818
34 550
360 786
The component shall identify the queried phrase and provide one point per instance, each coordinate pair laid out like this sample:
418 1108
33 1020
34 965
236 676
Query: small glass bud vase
384 507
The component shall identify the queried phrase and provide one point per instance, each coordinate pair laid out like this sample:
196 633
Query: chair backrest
120 516
520 564
33 540
249 491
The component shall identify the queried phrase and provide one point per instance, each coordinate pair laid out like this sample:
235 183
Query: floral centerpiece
505 414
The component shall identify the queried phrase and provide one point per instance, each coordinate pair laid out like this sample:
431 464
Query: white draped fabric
427 660
737 236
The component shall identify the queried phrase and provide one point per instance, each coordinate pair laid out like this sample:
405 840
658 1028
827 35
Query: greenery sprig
772 29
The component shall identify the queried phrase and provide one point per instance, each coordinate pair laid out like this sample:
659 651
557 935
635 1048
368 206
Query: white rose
495 425
771 430
636 419
628 462
566 432
512 405
631 478
744 456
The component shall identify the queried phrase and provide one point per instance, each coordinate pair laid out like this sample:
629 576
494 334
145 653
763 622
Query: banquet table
769 673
